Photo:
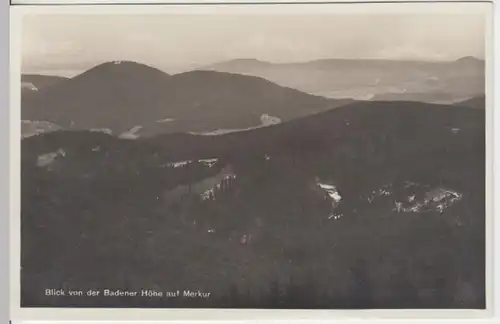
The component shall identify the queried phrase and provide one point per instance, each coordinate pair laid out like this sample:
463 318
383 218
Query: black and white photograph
255 160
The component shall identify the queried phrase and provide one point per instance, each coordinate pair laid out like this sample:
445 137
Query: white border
68 314
345 7
145 2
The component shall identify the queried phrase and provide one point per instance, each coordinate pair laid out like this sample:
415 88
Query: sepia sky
69 44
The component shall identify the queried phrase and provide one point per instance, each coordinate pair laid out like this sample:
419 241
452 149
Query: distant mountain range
121 96
370 79
132 100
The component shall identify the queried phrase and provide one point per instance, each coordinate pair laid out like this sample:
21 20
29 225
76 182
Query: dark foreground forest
370 205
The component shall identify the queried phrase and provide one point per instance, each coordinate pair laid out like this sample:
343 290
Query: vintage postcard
200 161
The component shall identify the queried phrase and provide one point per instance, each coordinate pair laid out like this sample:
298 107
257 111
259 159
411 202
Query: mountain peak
123 65
121 62
471 59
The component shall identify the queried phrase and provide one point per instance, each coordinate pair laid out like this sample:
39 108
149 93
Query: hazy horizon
67 45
